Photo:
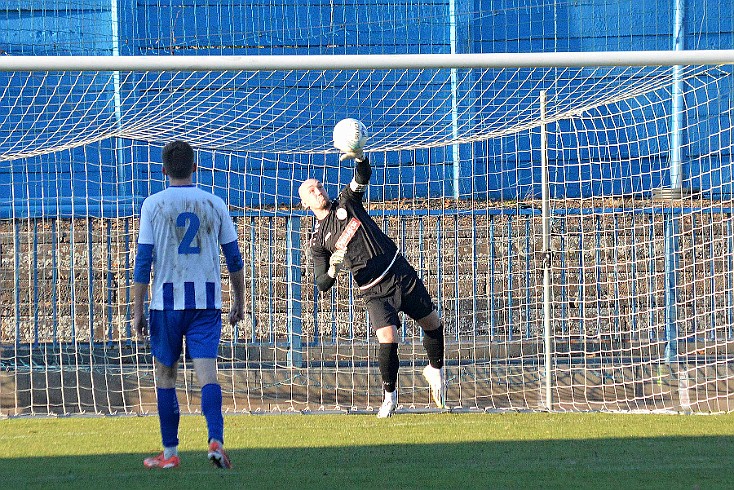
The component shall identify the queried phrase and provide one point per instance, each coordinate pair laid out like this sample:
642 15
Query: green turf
509 450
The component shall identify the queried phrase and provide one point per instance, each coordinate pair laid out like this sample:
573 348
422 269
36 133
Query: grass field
507 450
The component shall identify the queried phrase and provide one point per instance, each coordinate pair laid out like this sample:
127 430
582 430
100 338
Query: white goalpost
570 213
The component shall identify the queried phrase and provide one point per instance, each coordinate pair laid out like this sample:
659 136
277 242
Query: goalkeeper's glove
356 155
335 262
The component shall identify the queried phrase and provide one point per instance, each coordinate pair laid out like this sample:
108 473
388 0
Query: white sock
392 396
168 452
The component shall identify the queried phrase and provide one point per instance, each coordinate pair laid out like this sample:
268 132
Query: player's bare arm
140 323
237 310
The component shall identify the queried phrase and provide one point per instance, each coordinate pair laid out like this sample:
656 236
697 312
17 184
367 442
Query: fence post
293 267
16 280
671 294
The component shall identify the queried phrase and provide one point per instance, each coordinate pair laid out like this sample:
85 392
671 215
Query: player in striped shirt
345 234
181 231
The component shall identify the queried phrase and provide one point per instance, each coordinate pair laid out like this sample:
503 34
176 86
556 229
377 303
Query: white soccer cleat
388 406
437 382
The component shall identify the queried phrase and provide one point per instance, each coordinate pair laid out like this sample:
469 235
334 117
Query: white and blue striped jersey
186 227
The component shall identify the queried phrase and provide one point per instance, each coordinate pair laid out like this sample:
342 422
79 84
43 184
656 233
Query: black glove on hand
362 171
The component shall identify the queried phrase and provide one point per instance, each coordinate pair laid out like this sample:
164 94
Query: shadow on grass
659 462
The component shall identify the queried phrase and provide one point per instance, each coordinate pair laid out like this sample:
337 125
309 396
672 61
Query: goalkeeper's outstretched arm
362 174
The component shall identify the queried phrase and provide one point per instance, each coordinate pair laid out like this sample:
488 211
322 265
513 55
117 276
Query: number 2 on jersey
193 226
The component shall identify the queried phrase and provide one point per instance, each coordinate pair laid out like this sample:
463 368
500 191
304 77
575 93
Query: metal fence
69 280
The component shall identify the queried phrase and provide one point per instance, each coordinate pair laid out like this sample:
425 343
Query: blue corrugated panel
37 27
608 154
79 182
286 27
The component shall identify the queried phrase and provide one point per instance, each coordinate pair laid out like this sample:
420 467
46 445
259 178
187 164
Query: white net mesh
642 289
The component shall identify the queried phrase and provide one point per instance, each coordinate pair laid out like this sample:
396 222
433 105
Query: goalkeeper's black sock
388 361
434 345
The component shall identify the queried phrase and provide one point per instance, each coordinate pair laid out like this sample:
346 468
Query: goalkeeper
346 236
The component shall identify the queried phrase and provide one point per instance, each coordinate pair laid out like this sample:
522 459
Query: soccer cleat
160 461
218 456
437 382
388 406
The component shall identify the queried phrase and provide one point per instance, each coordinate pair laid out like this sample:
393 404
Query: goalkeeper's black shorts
400 290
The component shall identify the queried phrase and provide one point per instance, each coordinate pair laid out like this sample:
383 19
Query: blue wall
78 181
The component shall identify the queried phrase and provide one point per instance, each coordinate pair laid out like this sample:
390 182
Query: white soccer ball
350 135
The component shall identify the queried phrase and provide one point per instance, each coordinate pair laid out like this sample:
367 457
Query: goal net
572 223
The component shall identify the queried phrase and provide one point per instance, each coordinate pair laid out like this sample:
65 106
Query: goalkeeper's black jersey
369 251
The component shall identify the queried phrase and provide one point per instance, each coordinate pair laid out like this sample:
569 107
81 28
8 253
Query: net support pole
115 23
454 102
675 191
676 124
545 193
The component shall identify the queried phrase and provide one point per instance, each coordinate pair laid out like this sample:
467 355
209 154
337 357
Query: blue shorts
202 329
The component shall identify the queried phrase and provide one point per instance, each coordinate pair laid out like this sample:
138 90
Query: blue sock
211 407
169 415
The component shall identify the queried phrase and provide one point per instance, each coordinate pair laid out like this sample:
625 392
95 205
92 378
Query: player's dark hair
178 159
